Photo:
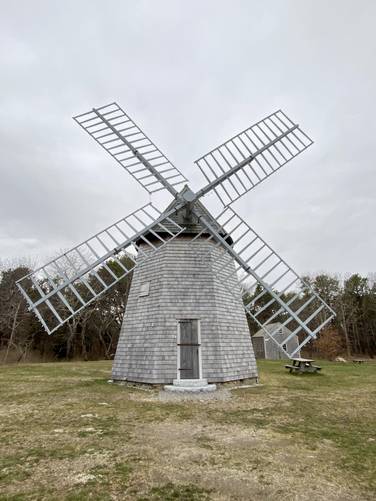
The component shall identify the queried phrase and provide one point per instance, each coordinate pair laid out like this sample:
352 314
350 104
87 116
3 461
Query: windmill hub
188 194
195 275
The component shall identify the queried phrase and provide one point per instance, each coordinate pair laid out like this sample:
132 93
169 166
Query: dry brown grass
68 434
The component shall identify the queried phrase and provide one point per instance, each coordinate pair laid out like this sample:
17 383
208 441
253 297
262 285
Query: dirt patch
235 463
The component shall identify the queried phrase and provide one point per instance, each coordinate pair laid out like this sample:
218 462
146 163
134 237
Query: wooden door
189 349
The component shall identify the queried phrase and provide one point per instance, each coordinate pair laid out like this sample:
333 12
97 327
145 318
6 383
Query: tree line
90 335
93 333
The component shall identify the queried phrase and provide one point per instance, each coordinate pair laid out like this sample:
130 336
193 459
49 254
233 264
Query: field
66 433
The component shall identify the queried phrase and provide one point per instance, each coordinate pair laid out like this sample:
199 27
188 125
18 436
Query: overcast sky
192 74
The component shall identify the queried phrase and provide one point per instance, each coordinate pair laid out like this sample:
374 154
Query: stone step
190 382
206 388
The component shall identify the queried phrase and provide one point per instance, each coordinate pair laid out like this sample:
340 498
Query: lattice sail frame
118 134
248 158
60 289
270 289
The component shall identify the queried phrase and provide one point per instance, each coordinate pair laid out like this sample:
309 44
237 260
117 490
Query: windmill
195 275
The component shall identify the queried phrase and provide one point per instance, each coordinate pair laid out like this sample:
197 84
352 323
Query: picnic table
358 360
302 365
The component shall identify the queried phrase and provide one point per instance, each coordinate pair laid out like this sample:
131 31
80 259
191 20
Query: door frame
198 320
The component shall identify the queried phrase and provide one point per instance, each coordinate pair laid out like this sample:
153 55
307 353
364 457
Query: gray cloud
191 74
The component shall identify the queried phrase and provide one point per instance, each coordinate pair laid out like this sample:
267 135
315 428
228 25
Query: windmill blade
271 290
60 289
118 134
244 161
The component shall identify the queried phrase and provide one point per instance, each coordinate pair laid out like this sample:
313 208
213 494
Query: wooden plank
302 360
195 352
186 363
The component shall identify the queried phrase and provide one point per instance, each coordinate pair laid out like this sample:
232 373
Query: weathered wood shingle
182 285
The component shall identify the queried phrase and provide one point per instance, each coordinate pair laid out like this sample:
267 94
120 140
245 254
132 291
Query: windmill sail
118 134
244 161
271 290
63 287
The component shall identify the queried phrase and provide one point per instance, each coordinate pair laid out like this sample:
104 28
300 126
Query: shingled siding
182 285
258 347
264 347
273 352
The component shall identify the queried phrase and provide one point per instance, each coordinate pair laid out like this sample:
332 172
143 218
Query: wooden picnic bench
358 360
302 365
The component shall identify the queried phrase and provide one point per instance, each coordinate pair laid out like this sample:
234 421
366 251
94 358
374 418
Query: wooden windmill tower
196 275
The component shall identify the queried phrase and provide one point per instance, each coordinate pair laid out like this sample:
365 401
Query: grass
66 434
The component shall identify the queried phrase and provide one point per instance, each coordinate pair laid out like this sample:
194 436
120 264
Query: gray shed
264 347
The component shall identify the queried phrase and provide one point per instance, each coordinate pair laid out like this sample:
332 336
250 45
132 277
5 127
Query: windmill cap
192 227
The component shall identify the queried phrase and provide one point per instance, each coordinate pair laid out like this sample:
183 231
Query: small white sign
144 289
